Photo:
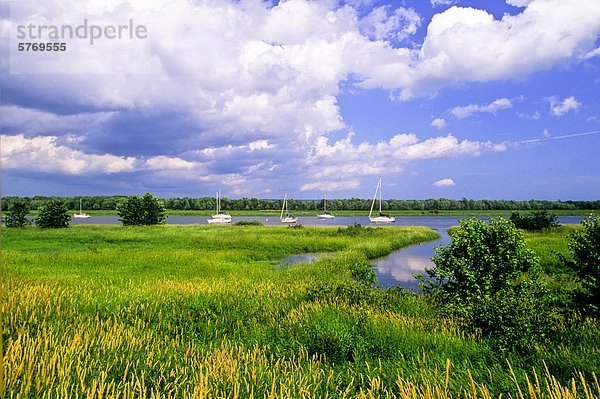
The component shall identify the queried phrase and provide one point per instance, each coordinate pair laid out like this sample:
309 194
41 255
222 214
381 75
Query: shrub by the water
16 214
355 229
363 272
248 223
584 247
489 280
145 211
537 220
53 214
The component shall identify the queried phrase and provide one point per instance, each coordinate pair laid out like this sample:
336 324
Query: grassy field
209 312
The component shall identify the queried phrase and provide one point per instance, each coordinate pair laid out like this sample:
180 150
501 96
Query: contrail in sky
566 136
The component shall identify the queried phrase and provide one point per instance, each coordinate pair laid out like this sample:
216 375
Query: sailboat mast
380 195
283 207
374 199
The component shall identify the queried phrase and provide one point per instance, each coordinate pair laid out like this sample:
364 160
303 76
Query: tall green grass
206 312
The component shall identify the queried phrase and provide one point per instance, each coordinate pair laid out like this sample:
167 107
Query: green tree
154 210
53 214
584 247
16 214
489 280
136 211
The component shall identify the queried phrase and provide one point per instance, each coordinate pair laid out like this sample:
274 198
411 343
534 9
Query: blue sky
441 98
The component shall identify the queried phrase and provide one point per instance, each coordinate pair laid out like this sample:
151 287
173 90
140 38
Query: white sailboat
81 215
383 217
219 217
325 214
287 217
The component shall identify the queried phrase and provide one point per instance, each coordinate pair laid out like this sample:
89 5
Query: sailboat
288 217
383 217
81 215
325 214
219 217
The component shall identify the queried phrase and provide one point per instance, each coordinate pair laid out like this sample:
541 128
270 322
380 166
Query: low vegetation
536 221
205 312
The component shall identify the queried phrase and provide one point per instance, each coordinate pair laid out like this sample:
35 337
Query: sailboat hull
325 216
382 219
289 220
219 221
223 216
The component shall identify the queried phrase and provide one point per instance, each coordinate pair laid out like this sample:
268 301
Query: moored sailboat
325 214
383 217
219 217
287 218
81 215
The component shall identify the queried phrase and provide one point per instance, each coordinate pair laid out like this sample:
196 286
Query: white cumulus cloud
444 183
561 108
465 111
438 123
44 154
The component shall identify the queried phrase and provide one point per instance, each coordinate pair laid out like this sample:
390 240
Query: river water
396 269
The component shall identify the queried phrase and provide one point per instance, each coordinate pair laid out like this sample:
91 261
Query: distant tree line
254 204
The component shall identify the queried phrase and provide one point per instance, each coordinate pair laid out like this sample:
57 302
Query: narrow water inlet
397 268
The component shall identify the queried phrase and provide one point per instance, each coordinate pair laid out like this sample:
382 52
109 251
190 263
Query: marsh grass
199 312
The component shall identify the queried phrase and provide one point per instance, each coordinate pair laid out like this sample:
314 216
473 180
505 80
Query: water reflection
397 268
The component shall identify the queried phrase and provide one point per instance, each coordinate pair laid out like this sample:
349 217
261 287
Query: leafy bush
355 229
16 215
362 271
248 223
538 220
145 211
53 214
489 281
584 246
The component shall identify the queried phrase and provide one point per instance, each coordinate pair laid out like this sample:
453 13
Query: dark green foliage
355 229
517 316
584 246
248 223
154 210
16 215
488 279
363 272
536 221
53 214
145 211
428 206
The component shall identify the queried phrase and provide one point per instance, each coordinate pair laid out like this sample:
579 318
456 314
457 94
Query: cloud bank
245 91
